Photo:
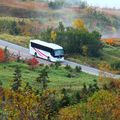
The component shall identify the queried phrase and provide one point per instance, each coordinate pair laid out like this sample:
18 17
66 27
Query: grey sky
104 3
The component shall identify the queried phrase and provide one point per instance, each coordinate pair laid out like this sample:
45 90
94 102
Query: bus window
59 52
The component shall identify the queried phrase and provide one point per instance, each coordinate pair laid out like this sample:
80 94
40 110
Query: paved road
24 53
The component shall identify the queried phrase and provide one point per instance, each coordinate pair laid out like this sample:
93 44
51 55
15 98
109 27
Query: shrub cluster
73 40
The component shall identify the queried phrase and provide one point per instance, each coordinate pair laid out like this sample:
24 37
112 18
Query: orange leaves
2 55
112 41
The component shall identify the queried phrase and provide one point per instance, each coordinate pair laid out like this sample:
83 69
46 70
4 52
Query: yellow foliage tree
103 105
104 67
53 35
78 23
26 105
70 113
21 105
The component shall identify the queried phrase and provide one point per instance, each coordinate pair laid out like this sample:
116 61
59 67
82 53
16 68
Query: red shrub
33 62
2 55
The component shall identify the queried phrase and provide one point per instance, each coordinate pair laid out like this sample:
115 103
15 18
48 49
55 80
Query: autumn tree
33 62
103 105
53 35
2 55
78 24
70 113
26 105
21 105
109 41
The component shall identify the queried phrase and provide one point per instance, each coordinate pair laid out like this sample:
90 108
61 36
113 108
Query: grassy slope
57 77
109 55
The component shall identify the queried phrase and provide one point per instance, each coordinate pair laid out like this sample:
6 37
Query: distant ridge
24 5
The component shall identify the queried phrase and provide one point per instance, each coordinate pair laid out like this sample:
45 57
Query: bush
57 64
71 75
103 105
33 63
70 36
68 67
78 69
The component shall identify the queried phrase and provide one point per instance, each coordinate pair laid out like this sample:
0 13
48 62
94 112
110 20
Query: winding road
24 53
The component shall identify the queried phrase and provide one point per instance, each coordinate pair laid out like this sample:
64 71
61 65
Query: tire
48 58
35 54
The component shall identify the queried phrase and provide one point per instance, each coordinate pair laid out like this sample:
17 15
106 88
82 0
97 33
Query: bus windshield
59 52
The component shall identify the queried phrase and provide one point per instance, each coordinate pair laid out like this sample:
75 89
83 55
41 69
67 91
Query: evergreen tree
61 27
17 79
43 78
6 54
66 100
15 30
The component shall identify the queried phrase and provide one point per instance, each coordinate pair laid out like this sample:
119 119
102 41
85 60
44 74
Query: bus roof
50 45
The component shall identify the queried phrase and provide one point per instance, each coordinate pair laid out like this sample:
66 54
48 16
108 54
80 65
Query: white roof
50 45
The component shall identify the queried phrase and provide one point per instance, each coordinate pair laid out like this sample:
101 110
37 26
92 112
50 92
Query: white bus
48 51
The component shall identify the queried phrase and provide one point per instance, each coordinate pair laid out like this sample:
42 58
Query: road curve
24 53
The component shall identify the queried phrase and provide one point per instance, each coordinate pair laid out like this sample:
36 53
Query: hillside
38 89
20 21
106 21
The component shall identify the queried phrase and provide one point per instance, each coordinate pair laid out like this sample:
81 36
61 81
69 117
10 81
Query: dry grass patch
20 40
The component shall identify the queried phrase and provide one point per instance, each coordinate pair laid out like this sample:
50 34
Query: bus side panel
40 53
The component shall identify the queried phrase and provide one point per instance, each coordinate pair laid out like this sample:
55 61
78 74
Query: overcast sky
104 3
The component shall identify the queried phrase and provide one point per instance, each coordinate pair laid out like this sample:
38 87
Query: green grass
112 51
57 77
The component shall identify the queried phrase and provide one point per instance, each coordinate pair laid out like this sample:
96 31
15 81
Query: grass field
57 77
